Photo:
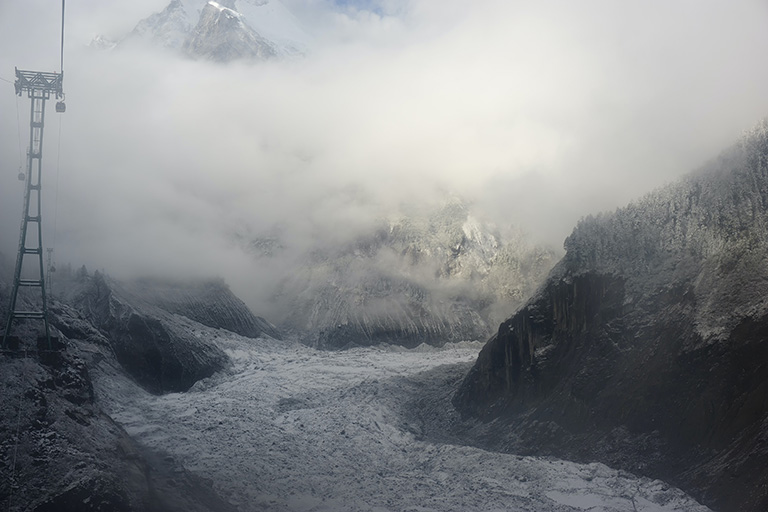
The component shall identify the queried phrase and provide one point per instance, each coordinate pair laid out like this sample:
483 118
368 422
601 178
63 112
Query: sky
537 112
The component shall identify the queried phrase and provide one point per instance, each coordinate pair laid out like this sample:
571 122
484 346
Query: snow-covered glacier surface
290 428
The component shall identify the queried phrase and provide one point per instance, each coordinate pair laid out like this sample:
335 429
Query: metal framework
39 87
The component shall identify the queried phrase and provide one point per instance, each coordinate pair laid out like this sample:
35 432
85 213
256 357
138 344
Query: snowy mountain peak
101 42
228 10
225 30
222 35
168 28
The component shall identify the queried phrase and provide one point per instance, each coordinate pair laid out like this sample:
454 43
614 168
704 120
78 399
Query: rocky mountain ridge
222 35
435 277
223 31
645 348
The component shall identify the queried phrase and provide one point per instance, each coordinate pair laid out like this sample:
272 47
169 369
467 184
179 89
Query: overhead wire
58 156
18 133
62 36
18 127
56 204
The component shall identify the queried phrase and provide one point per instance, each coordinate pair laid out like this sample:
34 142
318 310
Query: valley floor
293 429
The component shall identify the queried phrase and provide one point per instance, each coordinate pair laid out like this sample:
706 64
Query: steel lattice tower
39 87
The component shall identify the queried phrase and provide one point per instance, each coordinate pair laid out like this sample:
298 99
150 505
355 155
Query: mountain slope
646 347
59 450
222 31
429 277
168 28
155 327
209 302
222 35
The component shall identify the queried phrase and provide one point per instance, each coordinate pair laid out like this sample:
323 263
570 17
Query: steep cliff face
223 31
432 276
163 355
48 411
646 347
168 28
222 35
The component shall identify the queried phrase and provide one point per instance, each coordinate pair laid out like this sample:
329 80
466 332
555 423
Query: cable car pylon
39 87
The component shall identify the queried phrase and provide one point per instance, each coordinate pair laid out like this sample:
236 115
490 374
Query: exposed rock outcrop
160 352
168 28
222 35
223 31
153 325
60 453
647 348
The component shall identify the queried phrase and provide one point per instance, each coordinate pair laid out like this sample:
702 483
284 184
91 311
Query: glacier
291 428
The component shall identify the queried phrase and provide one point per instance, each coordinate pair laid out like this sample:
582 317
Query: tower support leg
29 244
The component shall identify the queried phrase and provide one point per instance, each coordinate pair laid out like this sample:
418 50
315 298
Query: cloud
540 112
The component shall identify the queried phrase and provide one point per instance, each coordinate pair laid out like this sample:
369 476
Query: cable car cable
61 107
18 133
62 36
56 195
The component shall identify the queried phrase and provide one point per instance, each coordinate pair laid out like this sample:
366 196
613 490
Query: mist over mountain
646 347
251 30
261 183
538 115
433 275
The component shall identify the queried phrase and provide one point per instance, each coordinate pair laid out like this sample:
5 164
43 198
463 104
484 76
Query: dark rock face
60 453
51 423
160 352
647 346
152 325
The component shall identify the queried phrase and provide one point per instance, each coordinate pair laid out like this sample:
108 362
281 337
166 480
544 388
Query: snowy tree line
720 208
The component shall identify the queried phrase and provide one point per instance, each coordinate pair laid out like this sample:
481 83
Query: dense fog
536 113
